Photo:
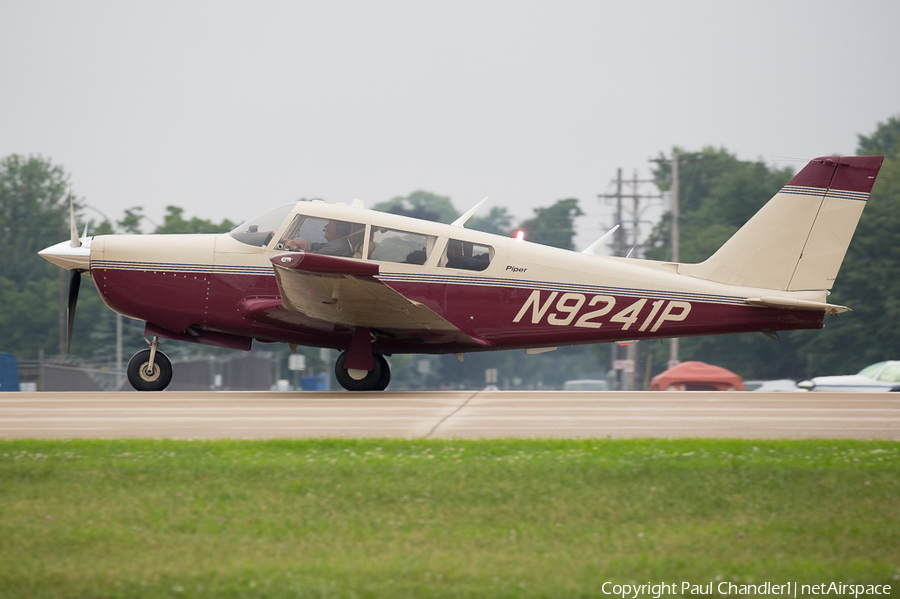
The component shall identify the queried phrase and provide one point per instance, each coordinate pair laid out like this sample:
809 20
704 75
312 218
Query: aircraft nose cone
71 258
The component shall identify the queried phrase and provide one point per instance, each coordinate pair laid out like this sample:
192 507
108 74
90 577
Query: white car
780 385
882 376
586 385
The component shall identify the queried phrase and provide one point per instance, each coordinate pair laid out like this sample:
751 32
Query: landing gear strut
376 379
150 369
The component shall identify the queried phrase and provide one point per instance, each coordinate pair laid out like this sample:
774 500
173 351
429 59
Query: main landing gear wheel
376 379
144 378
385 379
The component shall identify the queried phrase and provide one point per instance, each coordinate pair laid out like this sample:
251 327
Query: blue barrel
9 372
314 383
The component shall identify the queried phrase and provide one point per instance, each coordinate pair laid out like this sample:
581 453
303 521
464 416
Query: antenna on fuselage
591 249
461 221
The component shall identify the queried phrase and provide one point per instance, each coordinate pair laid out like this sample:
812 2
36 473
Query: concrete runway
450 415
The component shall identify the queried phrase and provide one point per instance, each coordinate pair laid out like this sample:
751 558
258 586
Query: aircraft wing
340 291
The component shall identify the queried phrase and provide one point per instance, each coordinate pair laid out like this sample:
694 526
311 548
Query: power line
628 237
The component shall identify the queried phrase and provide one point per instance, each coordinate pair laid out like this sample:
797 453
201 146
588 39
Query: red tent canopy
697 376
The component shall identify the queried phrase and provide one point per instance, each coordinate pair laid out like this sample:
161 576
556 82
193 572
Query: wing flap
348 293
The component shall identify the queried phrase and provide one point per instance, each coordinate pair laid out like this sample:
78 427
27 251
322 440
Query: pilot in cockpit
336 242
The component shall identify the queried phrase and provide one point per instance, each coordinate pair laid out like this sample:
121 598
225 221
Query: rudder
797 241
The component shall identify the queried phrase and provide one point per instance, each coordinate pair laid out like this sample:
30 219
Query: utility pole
673 342
676 217
628 232
618 236
625 369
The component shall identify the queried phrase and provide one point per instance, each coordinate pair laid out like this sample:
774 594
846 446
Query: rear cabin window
465 255
402 247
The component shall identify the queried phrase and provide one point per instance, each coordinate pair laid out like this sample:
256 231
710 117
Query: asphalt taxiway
450 415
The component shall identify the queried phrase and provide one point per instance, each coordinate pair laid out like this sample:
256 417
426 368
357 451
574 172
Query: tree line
718 193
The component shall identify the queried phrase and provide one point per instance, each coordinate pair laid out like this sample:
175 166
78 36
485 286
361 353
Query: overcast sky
229 108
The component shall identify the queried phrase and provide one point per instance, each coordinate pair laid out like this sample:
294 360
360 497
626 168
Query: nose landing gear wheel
376 379
143 378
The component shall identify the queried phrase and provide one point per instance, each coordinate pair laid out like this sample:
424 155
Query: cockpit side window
466 255
324 236
404 247
259 231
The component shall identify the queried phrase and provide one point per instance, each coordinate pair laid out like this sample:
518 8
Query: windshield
871 371
260 230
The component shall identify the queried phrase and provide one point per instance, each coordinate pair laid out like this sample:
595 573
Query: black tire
370 382
385 379
141 380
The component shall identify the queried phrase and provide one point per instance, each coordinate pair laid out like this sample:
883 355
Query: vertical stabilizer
798 240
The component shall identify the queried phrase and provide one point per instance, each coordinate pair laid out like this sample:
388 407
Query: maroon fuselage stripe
210 301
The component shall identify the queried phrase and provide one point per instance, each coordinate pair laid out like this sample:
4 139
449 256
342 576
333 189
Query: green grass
388 518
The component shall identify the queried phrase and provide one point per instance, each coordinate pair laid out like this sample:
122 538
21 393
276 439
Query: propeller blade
74 286
73 228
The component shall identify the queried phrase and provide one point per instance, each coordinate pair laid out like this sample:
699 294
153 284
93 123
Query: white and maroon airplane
373 284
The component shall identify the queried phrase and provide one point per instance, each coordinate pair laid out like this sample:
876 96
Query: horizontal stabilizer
796 304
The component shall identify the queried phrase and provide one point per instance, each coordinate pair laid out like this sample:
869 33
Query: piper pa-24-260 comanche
372 284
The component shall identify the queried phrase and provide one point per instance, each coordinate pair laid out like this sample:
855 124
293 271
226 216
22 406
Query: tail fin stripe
848 195
818 191
803 189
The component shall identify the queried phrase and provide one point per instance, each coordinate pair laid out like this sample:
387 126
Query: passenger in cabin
336 242
416 257
459 255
